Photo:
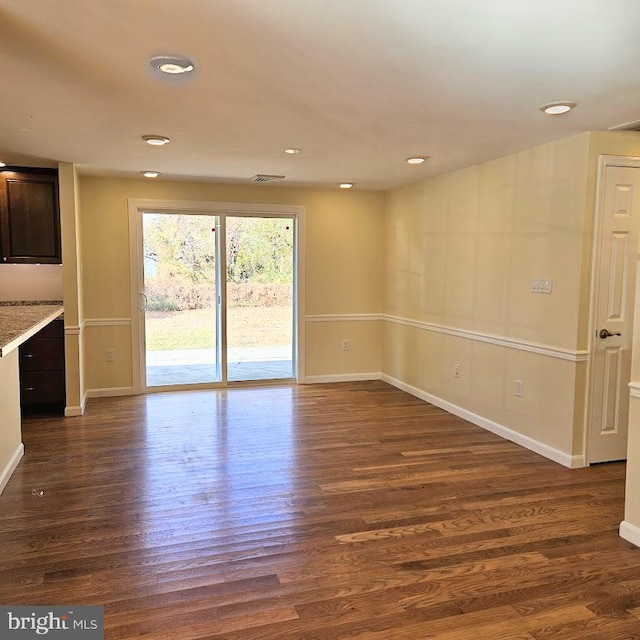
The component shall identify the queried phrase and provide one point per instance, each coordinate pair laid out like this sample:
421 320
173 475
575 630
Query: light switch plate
541 285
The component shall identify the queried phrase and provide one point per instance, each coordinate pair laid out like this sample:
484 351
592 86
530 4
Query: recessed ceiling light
346 185
292 151
171 64
557 108
416 159
156 141
150 174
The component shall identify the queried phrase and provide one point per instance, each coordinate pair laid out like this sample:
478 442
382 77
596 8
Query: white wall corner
565 459
11 466
630 533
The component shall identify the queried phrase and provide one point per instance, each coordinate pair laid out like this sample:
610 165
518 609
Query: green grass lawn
195 329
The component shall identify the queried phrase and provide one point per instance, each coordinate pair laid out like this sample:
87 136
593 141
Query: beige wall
343 265
325 356
461 251
30 282
632 497
10 435
631 526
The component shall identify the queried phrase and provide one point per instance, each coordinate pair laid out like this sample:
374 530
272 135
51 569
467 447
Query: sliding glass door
260 261
181 310
198 330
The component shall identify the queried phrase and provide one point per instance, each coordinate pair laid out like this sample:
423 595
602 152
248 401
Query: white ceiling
359 85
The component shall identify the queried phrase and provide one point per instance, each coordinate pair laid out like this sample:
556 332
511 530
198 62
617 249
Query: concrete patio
195 366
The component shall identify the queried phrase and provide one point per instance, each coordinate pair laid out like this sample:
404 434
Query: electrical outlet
518 388
111 355
346 345
456 371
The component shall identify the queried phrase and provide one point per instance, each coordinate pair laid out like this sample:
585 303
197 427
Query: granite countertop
21 320
29 303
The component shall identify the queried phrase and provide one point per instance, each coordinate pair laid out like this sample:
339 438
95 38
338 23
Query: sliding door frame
138 206
220 295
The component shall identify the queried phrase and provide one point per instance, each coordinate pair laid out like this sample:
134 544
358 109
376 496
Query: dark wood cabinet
42 368
29 216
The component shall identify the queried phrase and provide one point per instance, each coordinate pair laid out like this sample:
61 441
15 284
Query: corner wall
630 526
72 289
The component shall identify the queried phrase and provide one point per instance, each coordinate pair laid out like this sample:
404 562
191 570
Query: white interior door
614 303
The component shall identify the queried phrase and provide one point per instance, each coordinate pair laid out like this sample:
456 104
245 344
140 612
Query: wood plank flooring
312 512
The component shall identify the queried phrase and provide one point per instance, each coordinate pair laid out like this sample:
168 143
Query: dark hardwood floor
325 511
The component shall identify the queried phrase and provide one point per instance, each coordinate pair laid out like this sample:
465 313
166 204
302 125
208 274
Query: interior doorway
219 294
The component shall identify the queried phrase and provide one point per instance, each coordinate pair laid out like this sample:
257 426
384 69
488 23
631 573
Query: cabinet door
42 367
42 355
29 217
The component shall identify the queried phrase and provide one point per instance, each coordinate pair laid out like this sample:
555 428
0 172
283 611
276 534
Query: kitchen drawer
39 387
42 368
42 354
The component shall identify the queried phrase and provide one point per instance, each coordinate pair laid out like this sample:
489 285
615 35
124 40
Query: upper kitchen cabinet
29 216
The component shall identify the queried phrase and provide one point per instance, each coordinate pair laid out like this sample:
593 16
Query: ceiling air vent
627 126
264 177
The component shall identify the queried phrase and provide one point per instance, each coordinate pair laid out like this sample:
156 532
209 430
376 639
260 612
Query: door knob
605 333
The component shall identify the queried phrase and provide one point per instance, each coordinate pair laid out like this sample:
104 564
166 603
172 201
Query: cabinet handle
4 259
29 389
28 355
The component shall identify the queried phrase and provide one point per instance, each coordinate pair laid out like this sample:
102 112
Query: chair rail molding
501 341
581 355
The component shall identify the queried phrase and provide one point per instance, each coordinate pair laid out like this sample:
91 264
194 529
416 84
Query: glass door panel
181 291
260 288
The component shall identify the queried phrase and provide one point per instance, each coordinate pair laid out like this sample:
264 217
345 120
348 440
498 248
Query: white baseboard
565 459
74 411
630 533
11 466
110 392
342 377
